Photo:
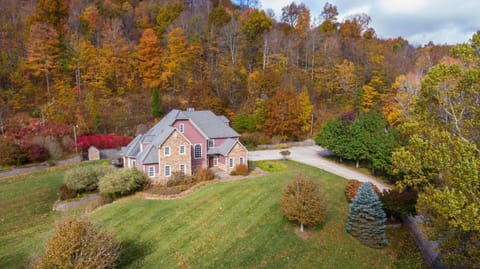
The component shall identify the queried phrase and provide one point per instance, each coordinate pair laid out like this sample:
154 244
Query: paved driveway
313 155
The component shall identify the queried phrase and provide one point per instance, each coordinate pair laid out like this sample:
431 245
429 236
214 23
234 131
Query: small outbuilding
93 153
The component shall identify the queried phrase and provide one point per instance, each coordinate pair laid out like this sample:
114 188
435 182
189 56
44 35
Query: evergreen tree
302 202
156 108
366 219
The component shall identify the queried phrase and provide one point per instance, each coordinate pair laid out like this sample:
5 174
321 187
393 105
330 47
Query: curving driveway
313 155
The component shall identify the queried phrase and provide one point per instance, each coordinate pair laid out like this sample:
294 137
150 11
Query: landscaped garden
226 224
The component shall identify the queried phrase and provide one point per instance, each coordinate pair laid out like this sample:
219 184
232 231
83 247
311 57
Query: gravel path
313 155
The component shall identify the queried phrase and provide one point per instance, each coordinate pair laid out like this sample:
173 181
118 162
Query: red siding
196 137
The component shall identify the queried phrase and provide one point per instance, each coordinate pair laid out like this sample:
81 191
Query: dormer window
210 143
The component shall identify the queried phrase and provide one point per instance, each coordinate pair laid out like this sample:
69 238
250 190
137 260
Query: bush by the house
36 153
85 178
366 218
77 243
11 153
203 174
399 204
122 182
178 179
240 170
66 193
302 202
352 187
103 141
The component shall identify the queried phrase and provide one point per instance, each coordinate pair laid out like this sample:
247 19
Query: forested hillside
98 64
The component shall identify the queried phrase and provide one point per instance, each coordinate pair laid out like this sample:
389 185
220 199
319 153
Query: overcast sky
418 21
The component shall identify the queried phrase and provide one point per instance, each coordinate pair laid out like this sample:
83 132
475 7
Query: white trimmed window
182 169
210 143
215 161
182 149
166 151
241 160
134 163
151 171
197 151
181 126
167 170
231 163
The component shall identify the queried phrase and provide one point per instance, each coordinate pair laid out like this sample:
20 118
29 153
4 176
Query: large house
184 141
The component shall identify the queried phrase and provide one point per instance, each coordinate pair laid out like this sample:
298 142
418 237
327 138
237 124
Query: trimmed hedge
122 182
85 178
103 141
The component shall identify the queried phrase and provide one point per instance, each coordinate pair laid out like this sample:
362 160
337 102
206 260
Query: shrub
11 153
351 189
254 139
79 244
366 218
122 182
399 204
179 178
103 142
36 153
302 202
240 169
66 193
203 174
85 178
285 154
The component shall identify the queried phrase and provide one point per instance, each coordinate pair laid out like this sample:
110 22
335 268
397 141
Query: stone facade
174 159
238 154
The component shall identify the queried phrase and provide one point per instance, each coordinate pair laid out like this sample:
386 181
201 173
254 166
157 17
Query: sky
418 21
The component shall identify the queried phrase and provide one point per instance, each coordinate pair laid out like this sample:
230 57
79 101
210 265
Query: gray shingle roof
210 124
133 148
148 155
225 148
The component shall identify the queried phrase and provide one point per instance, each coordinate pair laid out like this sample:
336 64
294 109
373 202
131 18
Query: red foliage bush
240 169
103 141
36 153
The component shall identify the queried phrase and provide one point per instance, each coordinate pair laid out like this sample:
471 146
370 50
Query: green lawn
239 225
26 214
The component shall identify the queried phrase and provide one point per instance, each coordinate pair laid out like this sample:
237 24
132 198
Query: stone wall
174 159
237 151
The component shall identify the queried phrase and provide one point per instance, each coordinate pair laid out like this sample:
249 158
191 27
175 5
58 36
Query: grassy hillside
239 225
26 214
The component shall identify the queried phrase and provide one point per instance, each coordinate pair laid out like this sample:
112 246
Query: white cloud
419 21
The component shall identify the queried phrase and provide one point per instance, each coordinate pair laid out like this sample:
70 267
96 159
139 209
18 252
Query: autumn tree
253 26
149 59
52 12
283 115
366 218
302 202
166 15
43 53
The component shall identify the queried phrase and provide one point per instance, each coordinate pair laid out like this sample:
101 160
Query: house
184 141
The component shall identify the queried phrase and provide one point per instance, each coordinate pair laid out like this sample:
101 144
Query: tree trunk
301 227
358 164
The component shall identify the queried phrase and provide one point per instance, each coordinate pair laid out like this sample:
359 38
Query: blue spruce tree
366 219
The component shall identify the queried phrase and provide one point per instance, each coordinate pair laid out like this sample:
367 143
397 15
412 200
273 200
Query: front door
210 161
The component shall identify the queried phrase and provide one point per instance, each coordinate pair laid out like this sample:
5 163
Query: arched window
197 152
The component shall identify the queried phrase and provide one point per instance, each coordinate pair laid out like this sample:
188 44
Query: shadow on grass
133 251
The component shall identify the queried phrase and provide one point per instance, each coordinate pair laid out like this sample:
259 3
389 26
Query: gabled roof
163 135
225 148
133 148
210 124
148 155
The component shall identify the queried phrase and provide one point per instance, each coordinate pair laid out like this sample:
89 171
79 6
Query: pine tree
366 219
156 108
302 202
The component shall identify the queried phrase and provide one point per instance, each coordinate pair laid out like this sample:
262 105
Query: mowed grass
239 225
26 215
